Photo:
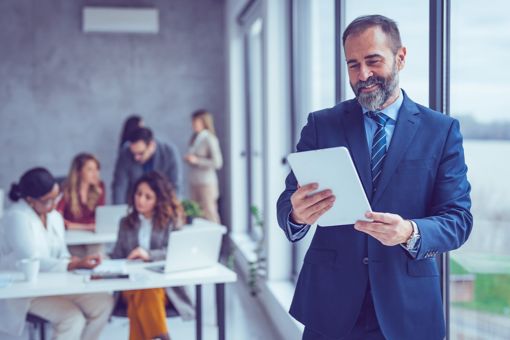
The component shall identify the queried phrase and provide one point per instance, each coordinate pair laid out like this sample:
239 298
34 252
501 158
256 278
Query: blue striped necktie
378 146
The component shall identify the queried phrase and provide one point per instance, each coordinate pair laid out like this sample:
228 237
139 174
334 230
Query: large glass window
480 270
413 23
255 116
314 73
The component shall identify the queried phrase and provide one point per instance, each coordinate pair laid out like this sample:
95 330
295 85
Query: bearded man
379 279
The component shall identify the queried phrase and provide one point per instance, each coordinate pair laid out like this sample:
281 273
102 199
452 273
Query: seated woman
83 193
143 234
33 229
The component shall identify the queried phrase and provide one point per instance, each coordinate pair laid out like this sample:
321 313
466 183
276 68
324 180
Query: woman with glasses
34 229
83 193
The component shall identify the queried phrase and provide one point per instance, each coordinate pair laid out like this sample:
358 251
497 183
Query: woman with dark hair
204 158
154 211
34 229
130 124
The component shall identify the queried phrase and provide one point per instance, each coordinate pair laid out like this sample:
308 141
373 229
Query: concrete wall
63 91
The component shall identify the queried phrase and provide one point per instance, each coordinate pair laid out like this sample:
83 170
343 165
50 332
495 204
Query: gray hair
388 26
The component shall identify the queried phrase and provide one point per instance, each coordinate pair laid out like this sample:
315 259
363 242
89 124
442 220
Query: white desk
80 237
52 284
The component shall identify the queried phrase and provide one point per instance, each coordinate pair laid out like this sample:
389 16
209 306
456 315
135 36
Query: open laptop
192 248
108 218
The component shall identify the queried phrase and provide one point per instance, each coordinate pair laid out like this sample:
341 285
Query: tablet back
333 169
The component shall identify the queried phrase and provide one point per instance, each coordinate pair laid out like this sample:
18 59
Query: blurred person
144 154
83 192
154 211
33 229
204 158
130 124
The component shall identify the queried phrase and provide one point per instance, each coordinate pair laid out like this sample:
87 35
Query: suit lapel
354 128
408 123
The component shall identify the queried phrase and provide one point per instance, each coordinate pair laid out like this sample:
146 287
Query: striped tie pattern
378 146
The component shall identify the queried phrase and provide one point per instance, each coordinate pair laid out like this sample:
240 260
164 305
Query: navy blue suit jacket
424 179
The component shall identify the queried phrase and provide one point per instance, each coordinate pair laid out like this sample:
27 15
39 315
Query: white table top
51 284
79 237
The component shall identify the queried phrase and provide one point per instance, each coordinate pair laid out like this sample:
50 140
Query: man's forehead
138 145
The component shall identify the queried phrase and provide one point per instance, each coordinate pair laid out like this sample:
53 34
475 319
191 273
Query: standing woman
154 212
33 229
204 158
83 193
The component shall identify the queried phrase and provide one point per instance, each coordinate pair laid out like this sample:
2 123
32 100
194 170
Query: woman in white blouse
204 158
33 229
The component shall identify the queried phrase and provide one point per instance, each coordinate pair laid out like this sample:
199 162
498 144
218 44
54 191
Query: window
314 74
480 270
255 116
413 23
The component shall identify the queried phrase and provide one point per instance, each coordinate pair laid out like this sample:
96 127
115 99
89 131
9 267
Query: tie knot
379 117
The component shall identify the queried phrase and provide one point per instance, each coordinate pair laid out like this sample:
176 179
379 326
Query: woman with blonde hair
204 158
83 192
154 211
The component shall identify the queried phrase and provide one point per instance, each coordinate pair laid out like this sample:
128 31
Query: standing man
380 279
144 154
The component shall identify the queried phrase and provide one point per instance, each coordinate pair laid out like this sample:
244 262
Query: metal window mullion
439 99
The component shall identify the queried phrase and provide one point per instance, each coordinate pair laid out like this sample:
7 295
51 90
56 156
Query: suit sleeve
450 221
174 169
308 141
215 159
120 183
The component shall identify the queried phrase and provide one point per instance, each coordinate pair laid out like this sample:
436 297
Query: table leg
198 311
220 309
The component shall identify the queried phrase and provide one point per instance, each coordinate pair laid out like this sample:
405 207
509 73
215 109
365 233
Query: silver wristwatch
415 236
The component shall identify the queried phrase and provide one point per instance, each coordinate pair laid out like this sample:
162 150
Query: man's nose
364 73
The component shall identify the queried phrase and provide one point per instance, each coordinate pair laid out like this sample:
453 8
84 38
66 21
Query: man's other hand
389 229
306 208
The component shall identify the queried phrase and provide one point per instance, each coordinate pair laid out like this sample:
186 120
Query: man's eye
353 66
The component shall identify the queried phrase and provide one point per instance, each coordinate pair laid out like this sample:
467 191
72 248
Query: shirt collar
392 110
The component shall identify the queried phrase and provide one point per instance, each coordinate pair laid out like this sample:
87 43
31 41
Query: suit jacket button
365 260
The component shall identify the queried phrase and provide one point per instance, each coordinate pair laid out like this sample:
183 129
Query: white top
144 233
26 237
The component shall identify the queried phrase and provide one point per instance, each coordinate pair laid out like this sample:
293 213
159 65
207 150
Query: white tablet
333 169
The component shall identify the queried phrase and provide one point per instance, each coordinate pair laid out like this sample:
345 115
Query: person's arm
159 254
119 251
174 170
80 226
294 202
450 221
215 161
20 237
120 183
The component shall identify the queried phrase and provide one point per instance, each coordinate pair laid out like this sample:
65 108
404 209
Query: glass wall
314 73
413 22
255 119
480 270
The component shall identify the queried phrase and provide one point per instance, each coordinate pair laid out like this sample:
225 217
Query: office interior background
261 66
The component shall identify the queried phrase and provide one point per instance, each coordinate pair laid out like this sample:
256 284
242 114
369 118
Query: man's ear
401 57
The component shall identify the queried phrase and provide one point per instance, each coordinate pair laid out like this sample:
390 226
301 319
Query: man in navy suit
380 279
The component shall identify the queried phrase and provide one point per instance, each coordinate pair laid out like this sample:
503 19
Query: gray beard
373 101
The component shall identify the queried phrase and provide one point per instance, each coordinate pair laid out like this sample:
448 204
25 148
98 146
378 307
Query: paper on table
111 266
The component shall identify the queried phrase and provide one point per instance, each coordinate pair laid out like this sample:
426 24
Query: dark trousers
366 327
